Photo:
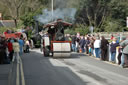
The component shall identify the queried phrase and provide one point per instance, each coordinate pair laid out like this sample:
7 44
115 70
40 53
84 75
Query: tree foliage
82 29
15 9
28 18
102 14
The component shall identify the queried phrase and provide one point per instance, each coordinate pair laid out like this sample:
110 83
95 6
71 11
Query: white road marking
22 73
19 72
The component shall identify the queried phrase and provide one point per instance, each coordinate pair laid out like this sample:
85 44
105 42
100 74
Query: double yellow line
20 73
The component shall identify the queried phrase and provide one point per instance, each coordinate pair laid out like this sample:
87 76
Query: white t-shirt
97 43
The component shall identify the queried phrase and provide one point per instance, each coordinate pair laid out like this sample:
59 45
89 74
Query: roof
7 23
56 22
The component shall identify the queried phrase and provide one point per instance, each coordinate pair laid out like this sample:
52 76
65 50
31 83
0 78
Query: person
68 37
117 40
113 46
27 44
82 44
104 48
97 44
91 46
74 43
1 51
12 40
77 43
10 49
3 54
21 43
124 45
120 55
16 48
112 37
87 45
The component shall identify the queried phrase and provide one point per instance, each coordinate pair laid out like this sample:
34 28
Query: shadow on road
77 55
39 70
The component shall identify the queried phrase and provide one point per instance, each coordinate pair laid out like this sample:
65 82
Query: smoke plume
61 11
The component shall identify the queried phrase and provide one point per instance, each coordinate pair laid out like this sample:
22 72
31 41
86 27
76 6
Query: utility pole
52 4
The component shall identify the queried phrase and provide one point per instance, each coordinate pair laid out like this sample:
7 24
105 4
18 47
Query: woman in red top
112 37
10 49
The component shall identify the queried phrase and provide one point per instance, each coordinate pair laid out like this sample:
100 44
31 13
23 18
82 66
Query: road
79 69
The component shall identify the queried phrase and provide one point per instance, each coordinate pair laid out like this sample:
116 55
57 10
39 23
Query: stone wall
108 35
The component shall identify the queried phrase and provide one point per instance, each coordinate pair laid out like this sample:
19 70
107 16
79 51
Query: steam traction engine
54 43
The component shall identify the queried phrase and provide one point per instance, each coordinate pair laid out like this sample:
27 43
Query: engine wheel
46 52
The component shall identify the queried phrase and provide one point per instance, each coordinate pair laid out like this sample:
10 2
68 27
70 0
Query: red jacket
10 47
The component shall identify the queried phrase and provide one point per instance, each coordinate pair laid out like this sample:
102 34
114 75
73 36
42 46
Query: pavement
4 73
79 69
39 70
8 74
95 71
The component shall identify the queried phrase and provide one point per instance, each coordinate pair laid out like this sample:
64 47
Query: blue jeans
83 50
21 50
113 54
97 52
73 47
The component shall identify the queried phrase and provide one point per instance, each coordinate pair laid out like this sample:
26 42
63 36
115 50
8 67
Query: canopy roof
56 22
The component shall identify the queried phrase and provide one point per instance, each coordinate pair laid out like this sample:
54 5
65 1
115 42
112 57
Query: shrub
112 26
82 29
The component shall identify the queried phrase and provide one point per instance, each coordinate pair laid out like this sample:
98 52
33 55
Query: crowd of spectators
101 48
12 48
93 45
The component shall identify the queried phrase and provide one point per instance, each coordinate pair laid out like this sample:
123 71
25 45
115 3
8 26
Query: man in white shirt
97 44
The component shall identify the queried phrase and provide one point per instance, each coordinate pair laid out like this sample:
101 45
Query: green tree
119 11
14 8
97 13
92 12
28 18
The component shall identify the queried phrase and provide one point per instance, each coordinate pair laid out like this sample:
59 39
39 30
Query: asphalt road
4 73
76 70
38 70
